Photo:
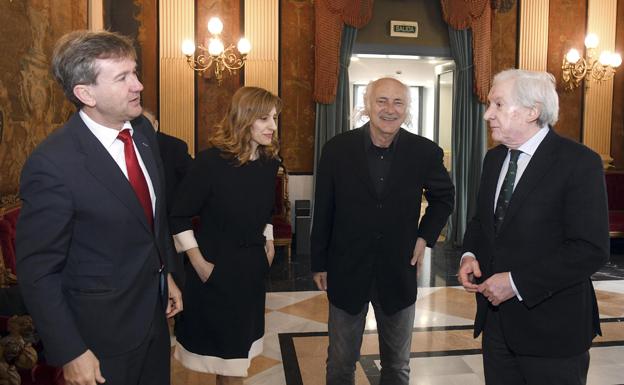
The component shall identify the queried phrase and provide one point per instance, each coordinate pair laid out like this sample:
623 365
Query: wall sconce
219 57
576 68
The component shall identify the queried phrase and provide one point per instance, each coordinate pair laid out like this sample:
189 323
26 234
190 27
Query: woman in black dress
231 187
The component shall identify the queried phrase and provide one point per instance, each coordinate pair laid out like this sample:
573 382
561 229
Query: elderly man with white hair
539 233
368 237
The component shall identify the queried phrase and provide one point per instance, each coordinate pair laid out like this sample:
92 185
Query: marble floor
443 350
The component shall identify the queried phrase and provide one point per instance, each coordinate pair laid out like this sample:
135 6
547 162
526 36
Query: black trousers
149 363
504 367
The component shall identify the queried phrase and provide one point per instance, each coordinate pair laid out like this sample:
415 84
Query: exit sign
403 28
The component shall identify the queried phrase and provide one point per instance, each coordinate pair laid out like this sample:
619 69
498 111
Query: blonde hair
233 134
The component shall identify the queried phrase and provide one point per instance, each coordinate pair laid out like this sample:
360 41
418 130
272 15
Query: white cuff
515 289
466 254
184 241
268 232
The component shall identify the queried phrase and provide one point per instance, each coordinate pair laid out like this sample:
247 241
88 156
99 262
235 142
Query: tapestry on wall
297 85
138 19
32 105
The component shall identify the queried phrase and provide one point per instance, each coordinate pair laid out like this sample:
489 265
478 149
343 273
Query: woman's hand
269 248
202 267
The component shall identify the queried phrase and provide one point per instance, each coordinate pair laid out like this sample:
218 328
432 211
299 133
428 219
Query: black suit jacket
553 238
176 162
358 237
87 259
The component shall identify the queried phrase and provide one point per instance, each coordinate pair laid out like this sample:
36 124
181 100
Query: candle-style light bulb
573 56
605 58
215 47
591 41
188 47
215 26
244 46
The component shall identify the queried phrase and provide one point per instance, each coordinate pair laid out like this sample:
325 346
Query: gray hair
73 60
533 89
361 112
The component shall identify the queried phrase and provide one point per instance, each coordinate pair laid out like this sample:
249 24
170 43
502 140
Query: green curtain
469 138
333 119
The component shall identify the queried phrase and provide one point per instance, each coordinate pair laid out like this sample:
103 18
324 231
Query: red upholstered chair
8 220
615 192
41 373
282 229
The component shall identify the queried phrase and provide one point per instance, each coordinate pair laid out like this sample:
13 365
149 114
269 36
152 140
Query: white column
262 31
533 50
96 15
601 20
177 80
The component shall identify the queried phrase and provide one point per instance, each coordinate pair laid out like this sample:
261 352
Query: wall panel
262 29
177 97
297 85
598 107
533 35
617 122
566 30
32 104
213 99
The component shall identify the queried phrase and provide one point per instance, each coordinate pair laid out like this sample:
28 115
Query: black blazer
358 237
553 238
176 162
87 259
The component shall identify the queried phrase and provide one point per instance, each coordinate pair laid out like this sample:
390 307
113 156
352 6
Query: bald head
387 103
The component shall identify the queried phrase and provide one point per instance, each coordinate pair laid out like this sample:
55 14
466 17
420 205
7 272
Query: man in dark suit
539 233
175 157
93 245
367 241
176 162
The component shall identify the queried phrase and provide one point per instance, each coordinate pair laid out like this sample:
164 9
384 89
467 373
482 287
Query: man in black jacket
176 163
368 239
175 157
539 233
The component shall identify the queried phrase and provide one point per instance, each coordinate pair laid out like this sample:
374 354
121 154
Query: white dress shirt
528 148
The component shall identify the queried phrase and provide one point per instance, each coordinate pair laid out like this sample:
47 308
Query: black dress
222 325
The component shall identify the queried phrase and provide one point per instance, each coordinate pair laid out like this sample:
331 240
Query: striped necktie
504 196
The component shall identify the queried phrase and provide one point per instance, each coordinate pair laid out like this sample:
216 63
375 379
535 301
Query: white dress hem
235 367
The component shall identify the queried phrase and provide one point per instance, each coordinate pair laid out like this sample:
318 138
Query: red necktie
135 175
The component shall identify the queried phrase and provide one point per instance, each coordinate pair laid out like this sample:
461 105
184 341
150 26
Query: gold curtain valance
477 15
330 16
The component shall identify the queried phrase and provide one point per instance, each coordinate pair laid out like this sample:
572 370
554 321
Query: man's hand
468 270
320 278
497 289
175 305
419 254
83 370
269 249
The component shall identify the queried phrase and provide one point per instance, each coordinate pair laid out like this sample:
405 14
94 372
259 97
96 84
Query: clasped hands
497 288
